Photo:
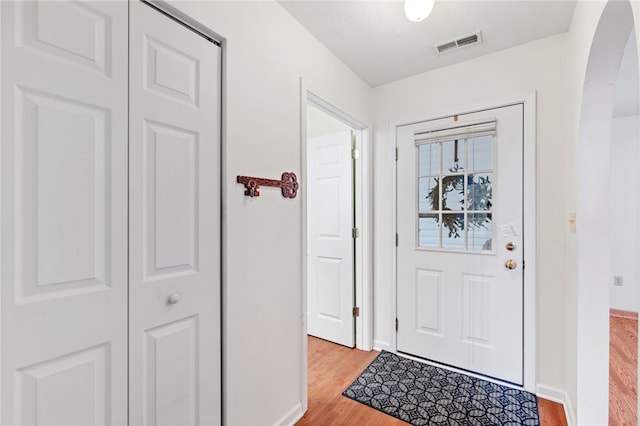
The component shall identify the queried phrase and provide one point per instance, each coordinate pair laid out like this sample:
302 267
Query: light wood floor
333 367
623 371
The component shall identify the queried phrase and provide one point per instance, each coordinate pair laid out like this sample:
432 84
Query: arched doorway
595 211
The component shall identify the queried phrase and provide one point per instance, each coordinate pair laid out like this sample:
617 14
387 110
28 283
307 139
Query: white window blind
463 131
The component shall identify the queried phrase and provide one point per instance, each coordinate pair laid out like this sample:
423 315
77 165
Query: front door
330 254
460 254
174 223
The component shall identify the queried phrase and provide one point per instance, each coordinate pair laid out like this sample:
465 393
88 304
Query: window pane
480 231
428 194
479 187
480 153
453 231
449 156
447 186
453 192
429 159
428 231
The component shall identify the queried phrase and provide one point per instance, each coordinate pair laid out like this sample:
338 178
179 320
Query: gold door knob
510 264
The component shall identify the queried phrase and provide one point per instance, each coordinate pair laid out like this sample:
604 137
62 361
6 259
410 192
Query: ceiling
381 45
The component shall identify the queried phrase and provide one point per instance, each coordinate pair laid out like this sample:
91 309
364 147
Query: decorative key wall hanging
288 183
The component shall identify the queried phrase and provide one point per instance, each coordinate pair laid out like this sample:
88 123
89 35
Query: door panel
174 273
429 309
84 39
171 220
459 204
63 203
64 213
330 244
172 373
79 382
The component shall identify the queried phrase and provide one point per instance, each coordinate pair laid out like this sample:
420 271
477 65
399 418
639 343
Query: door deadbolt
511 246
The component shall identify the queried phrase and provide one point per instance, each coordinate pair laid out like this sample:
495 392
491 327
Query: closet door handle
173 299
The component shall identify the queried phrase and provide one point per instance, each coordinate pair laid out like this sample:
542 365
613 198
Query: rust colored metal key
288 183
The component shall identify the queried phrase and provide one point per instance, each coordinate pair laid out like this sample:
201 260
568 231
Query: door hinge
355 233
356 311
396 154
355 153
396 324
523 264
396 239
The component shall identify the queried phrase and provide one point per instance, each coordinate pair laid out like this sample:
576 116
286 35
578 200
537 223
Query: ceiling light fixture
418 10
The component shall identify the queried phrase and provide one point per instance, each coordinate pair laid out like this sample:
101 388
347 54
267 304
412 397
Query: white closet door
174 271
64 213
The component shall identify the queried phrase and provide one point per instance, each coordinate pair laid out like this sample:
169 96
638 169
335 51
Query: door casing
529 221
363 246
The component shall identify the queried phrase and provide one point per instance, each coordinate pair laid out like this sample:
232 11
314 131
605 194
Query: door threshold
461 371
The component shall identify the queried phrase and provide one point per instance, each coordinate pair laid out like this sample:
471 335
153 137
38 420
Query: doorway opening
625 249
320 119
598 164
336 225
426 278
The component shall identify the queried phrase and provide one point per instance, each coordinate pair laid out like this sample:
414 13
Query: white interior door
329 238
64 213
459 213
174 271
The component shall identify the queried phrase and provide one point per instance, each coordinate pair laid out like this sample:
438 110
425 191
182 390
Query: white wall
266 53
539 66
585 20
625 183
319 123
624 192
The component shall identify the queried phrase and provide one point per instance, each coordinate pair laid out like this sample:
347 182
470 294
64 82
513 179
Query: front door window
455 200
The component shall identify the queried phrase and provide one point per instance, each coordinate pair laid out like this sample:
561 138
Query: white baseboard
379 345
559 396
291 417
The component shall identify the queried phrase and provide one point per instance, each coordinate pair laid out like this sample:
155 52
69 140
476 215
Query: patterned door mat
422 394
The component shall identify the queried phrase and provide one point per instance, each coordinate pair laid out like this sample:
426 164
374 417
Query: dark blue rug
422 394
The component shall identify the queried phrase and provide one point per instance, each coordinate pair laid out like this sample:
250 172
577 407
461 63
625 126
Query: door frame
528 100
363 248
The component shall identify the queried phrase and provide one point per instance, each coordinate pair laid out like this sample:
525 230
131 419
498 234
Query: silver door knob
173 299
510 264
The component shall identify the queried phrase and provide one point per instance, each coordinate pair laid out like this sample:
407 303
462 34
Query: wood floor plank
551 413
333 367
623 371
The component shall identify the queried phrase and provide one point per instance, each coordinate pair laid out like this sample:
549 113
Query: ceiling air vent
457 43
